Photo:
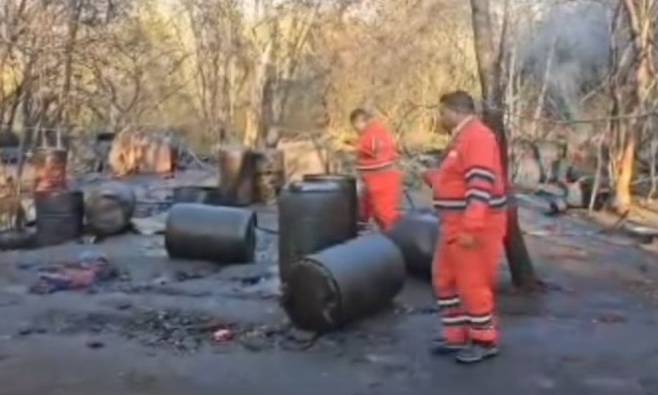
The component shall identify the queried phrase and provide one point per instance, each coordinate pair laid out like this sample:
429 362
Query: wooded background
257 71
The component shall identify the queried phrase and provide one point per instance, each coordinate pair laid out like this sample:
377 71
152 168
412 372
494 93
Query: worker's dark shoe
475 353
442 347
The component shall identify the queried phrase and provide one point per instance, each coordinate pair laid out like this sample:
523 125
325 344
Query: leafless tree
489 57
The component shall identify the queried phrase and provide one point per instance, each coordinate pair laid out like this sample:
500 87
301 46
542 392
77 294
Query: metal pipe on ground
344 283
224 235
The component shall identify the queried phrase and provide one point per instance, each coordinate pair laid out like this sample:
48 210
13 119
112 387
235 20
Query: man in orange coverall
377 155
469 193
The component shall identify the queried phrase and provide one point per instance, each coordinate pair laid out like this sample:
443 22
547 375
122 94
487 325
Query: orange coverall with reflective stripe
376 162
469 193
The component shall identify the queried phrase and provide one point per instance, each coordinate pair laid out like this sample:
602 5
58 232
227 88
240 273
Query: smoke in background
581 33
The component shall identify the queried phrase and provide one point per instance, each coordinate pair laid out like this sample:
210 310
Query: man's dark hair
459 101
359 113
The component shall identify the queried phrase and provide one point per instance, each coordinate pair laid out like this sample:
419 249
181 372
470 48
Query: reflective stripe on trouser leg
444 279
476 277
482 328
453 320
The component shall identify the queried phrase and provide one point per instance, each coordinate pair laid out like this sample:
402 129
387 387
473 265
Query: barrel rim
328 177
330 317
313 187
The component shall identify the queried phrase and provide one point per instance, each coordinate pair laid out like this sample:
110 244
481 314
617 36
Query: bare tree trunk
623 195
541 100
654 158
74 19
489 66
640 16
254 117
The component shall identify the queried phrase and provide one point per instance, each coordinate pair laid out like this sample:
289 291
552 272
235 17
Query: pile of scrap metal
546 169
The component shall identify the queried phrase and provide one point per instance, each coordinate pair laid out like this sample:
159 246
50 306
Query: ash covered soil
152 329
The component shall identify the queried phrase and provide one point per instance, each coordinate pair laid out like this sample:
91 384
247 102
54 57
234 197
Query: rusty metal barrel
50 169
312 216
60 216
416 235
237 171
270 175
344 283
348 184
224 235
109 208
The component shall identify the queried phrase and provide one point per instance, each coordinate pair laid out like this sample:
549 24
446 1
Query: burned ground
150 330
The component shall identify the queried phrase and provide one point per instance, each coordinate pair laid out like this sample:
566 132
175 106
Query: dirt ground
150 330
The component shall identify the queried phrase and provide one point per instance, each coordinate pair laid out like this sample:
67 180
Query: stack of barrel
329 275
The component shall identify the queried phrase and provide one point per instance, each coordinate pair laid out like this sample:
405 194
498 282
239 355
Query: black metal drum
109 208
344 283
417 234
312 216
224 235
60 216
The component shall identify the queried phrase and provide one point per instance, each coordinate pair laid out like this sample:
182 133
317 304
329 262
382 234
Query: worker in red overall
377 156
469 194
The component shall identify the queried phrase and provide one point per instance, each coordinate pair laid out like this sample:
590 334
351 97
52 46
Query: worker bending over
469 194
377 165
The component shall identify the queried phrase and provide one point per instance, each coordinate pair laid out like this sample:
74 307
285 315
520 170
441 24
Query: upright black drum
312 216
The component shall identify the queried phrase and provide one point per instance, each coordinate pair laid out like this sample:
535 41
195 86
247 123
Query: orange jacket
376 148
469 186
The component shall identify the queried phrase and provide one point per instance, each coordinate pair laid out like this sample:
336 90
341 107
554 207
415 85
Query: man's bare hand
467 241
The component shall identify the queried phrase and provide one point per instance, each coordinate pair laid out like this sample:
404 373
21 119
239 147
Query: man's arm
479 158
369 147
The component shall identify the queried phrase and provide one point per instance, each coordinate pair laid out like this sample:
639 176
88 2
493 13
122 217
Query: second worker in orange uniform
377 157
470 196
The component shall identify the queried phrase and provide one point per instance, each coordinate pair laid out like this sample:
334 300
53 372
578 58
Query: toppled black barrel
223 235
312 216
237 171
347 184
60 216
109 208
344 283
417 234
17 239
